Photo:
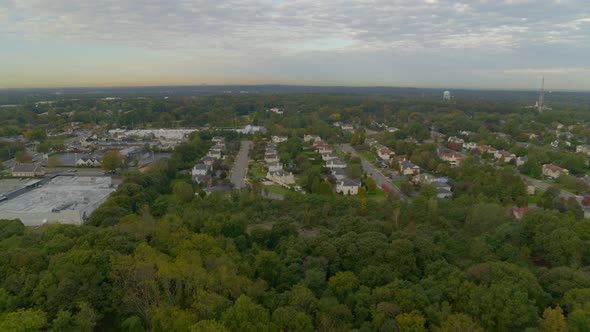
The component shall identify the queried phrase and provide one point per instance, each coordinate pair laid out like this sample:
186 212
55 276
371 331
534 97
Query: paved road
372 171
544 186
238 174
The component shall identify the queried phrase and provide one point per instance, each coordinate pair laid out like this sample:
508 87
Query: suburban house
392 129
347 127
309 138
583 149
469 145
200 169
348 186
424 178
521 160
453 158
435 135
208 160
486 148
274 166
508 157
338 173
88 162
370 141
214 154
324 148
26 170
329 156
384 152
336 163
408 168
554 171
218 147
218 139
279 139
281 177
271 158
443 189
456 140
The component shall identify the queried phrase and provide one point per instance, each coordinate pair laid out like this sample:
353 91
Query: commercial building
62 199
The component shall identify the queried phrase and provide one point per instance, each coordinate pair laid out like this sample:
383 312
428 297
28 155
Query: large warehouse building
63 199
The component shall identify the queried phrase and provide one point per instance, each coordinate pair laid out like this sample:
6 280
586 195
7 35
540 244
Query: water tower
447 95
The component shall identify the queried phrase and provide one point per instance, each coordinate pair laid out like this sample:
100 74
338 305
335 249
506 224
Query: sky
490 44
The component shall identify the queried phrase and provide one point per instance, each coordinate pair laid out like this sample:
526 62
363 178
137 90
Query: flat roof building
63 199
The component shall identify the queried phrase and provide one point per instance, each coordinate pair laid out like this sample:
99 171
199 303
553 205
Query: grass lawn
533 198
398 183
256 170
339 152
276 189
367 155
377 196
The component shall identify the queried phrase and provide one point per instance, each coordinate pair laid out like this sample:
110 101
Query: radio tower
541 102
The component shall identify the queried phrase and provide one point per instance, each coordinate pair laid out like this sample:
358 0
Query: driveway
238 174
372 171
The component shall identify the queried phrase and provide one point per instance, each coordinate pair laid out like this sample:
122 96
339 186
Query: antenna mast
542 96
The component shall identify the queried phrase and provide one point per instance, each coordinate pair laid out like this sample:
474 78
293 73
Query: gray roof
338 171
280 172
25 168
201 166
407 164
350 182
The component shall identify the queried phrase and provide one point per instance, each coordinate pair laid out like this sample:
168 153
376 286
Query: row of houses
337 166
276 173
201 173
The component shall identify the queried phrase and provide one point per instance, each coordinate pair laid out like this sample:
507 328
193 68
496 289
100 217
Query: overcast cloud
489 44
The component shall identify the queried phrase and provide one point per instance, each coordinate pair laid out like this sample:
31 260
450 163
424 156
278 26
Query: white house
348 186
554 171
453 158
469 145
408 168
218 139
384 153
324 149
443 189
250 129
200 169
508 157
281 177
279 139
329 156
347 127
585 149
271 158
336 163
218 147
88 162
455 139
274 166
309 138
214 154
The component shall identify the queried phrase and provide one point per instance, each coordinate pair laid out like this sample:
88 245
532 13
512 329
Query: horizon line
284 85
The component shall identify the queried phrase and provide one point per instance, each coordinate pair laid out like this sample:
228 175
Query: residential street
238 174
372 171
544 186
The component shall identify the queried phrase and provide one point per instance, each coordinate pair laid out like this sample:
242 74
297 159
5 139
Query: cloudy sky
427 43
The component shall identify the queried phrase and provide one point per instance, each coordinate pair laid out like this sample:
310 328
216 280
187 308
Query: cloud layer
520 34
